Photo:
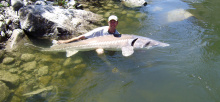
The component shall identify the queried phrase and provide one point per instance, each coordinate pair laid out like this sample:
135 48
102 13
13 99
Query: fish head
146 43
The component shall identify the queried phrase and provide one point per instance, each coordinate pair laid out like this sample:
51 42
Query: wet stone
43 71
4 91
107 14
27 57
129 15
68 62
30 66
12 79
124 12
78 69
140 15
8 60
45 80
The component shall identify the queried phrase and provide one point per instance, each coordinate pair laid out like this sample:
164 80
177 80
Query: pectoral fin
127 51
70 52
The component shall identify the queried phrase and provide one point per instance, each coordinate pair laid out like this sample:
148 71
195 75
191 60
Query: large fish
125 42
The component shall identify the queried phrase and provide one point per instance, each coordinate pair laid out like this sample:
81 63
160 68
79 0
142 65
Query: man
101 31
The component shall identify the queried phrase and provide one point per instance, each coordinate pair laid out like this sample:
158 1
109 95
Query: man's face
113 23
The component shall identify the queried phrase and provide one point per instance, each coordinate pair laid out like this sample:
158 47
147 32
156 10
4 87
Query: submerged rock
43 71
11 79
8 60
27 57
45 79
30 66
4 91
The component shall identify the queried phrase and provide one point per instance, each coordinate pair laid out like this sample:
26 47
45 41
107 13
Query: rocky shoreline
21 69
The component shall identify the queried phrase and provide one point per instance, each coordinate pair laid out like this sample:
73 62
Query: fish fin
54 42
127 51
71 52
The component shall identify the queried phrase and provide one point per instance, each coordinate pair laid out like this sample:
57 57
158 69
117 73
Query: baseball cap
112 17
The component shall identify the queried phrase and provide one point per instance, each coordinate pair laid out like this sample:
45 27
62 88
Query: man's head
113 21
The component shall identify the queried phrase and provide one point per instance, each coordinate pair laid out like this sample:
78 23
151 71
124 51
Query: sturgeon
125 43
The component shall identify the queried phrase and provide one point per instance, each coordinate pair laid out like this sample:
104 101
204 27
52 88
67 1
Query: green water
186 71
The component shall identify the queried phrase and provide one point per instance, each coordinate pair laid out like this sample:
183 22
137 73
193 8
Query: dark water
186 71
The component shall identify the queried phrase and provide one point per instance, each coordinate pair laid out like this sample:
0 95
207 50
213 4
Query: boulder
4 91
17 36
51 21
8 78
17 4
134 3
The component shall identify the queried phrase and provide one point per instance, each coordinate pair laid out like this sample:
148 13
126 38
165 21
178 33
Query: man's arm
71 40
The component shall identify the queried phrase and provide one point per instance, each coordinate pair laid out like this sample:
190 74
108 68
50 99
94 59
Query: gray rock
4 91
2 17
2 26
11 79
134 3
16 4
27 57
30 66
8 60
51 21
16 37
40 3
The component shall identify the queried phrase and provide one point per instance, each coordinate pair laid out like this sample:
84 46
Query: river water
186 71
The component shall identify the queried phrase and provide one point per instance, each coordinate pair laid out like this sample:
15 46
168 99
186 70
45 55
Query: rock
2 17
61 74
8 60
16 4
49 21
68 62
29 66
78 69
4 91
16 37
2 52
134 3
27 57
43 71
15 99
45 80
10 79
40 3
140 15
2 27
4 3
